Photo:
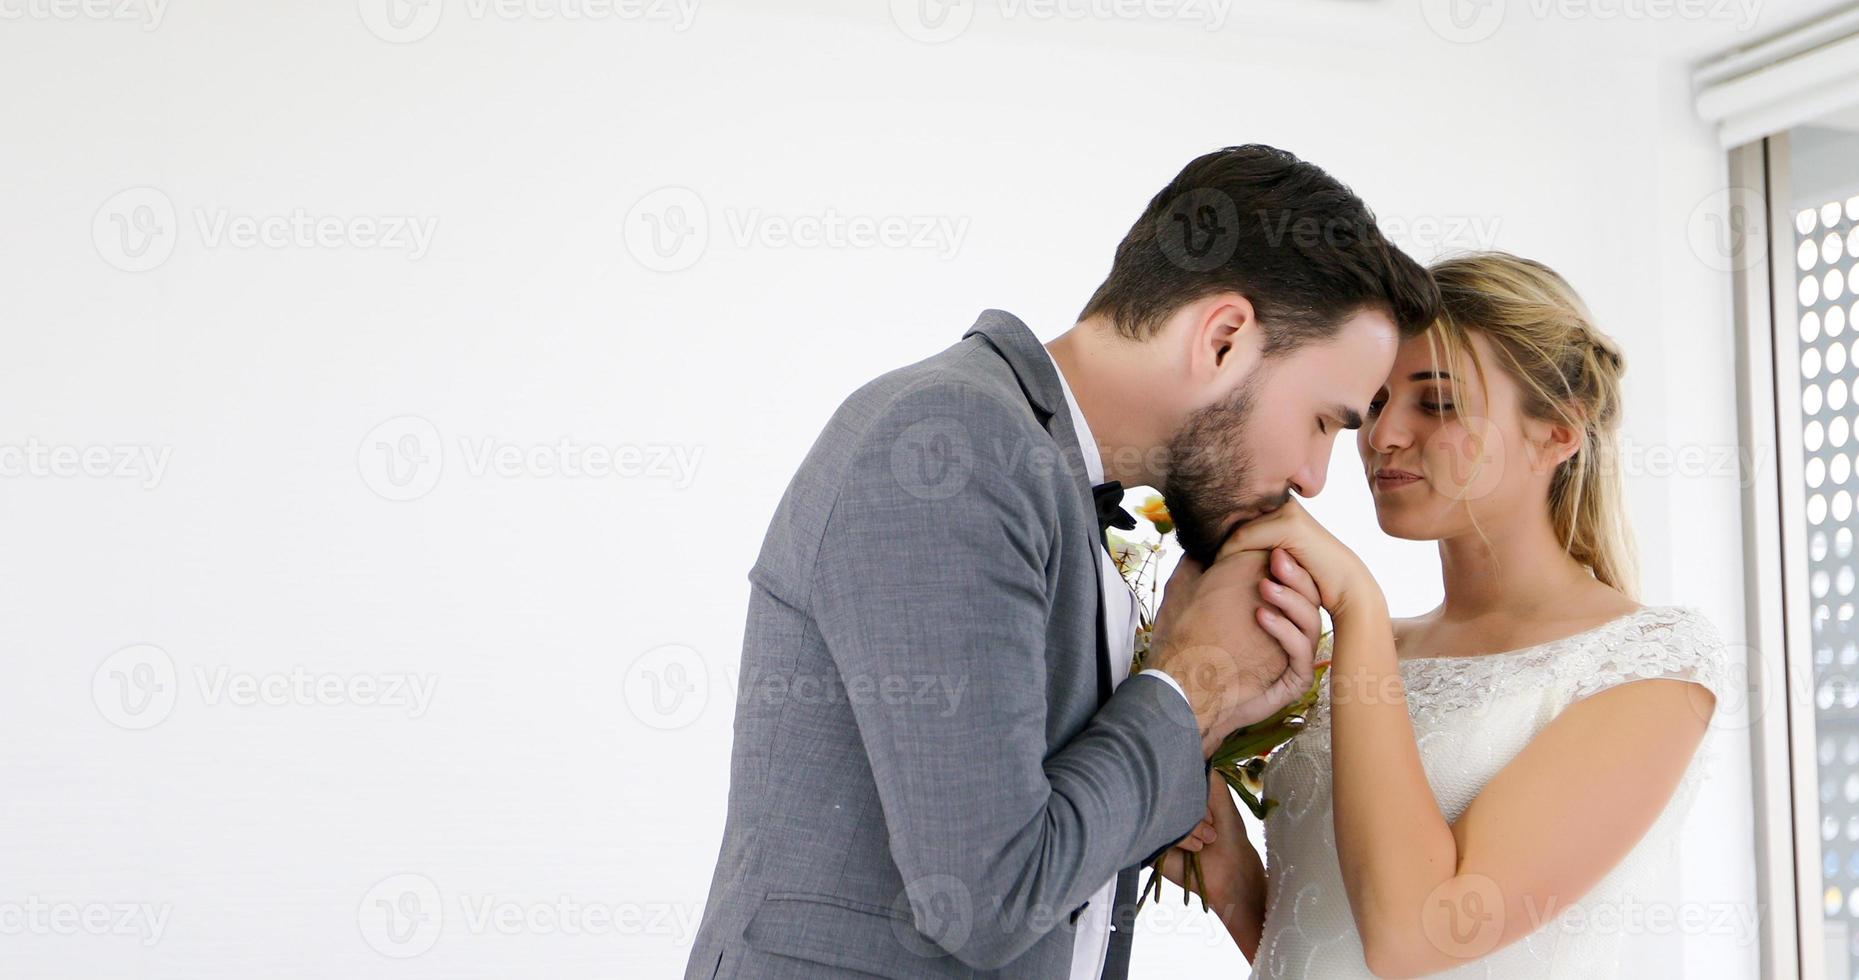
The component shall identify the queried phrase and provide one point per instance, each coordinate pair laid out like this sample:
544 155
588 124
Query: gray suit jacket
926 780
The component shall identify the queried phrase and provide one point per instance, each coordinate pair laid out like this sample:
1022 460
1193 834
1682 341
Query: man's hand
1208 638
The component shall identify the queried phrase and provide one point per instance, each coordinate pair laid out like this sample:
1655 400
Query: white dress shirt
1092 941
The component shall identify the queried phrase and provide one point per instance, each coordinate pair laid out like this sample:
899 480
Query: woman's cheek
1468 458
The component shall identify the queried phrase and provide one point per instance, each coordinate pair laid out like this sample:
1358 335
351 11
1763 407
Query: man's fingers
1286 632
1293 576
1301 611
1300 654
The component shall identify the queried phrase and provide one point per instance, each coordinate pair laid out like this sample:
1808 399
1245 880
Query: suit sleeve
934 565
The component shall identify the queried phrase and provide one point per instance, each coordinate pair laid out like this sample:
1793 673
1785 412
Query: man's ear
1223 336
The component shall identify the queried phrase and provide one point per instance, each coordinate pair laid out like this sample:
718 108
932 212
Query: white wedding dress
1471 715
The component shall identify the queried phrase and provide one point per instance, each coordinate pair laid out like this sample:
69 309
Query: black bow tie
1110 512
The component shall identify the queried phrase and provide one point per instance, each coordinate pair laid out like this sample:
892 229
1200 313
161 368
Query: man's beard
1208 466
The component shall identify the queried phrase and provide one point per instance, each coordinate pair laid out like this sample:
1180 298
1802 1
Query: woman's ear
1556 442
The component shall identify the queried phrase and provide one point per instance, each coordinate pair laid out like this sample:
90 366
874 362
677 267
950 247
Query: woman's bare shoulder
1408 627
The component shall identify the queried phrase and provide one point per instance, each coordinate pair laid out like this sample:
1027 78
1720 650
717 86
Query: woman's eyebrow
1430 376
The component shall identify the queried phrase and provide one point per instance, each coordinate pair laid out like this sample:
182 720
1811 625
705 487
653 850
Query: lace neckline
1617 621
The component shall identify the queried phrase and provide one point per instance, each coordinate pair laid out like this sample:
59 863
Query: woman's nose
1387 434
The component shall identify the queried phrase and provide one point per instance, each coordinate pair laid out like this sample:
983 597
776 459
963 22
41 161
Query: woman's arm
1233 875
1244 918
1426 894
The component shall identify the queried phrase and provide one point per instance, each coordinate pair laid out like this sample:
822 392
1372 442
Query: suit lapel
1039 380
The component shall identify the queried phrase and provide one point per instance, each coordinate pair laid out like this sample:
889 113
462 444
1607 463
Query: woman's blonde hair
1570 374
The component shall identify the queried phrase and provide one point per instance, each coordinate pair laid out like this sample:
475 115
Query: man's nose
1309 481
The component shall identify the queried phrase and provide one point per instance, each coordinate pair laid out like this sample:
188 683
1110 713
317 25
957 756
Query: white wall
541 605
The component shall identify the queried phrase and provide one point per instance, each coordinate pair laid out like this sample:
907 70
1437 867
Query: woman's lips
1392 479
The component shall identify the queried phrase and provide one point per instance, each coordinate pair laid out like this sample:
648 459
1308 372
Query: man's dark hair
1256 220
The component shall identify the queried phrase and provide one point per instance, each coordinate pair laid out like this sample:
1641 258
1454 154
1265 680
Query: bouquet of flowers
1241 759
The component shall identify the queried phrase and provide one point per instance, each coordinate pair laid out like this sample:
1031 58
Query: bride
1494 788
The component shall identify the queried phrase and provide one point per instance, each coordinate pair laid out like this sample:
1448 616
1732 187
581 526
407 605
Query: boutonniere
1142 557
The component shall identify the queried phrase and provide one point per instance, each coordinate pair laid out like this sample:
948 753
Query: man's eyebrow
1430 376
1349 418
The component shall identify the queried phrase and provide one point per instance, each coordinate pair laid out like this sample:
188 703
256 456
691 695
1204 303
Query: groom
941 765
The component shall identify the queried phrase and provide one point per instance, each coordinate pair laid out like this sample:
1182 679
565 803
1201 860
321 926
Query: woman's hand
1230 866
1338 576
